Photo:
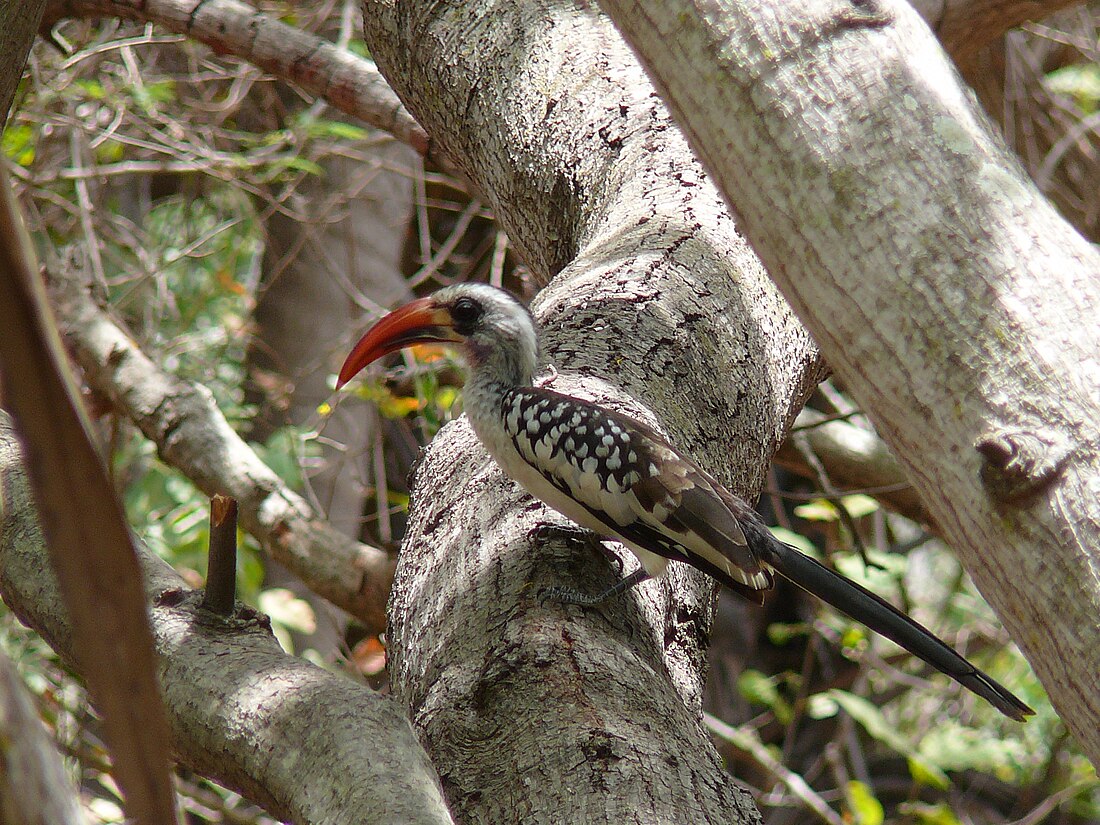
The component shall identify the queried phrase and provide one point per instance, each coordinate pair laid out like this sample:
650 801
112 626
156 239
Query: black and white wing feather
633 485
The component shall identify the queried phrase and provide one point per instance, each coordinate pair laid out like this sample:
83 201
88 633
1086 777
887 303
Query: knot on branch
1018 463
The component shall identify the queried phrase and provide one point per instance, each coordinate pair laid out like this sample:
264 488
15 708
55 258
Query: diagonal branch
309 745
193 436
90 547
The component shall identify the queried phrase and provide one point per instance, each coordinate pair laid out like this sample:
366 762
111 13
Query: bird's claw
568 595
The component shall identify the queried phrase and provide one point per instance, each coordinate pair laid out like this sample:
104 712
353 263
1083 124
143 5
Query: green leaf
866 809
336 129
300 164
110 151
822 706
871 719
859 505
19 144
817 510
762 689
821 509
781 633
924 773
757 687
162 91
926 814
148 95
953 747
92 89
1081 82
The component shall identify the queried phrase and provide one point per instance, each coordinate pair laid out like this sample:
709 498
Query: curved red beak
418 322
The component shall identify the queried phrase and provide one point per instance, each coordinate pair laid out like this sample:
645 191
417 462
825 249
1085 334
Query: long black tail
880 616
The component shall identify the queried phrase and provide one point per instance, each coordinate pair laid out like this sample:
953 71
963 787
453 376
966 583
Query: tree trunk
542 106
958 307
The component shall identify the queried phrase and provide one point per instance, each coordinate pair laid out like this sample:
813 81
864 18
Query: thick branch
551 117
311 746
193 436
957 306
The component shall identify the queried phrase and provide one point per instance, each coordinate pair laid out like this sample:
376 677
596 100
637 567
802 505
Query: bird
621 479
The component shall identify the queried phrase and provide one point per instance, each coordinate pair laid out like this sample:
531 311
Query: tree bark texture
957 306
536 711
308 745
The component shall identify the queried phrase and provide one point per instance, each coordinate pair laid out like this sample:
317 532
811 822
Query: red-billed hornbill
621 479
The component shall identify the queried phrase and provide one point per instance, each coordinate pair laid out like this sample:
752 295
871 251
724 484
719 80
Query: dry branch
193 436
90 546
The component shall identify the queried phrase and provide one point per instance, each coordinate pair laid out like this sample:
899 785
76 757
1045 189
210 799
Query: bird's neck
492 374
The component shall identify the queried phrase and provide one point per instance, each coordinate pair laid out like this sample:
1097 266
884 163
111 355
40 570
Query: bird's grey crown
503 345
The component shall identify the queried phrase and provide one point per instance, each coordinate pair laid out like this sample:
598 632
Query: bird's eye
466 312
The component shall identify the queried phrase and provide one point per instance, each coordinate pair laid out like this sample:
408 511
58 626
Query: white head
496 333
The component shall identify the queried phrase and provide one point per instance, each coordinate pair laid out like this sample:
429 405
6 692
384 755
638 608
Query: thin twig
748 742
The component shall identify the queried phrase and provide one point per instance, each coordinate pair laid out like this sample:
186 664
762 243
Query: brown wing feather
685 504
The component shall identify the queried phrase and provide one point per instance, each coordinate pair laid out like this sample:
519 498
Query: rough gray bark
306 744
541 712
956 304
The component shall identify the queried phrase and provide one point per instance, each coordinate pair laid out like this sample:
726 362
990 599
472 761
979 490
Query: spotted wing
632 481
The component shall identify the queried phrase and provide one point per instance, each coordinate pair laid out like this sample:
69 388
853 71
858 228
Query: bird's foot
568 595
569 533
576 536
